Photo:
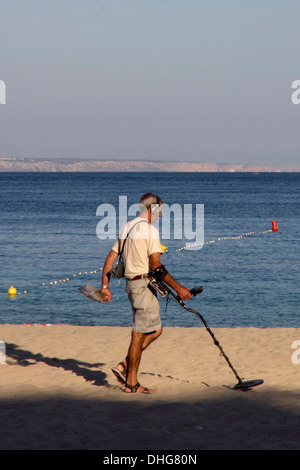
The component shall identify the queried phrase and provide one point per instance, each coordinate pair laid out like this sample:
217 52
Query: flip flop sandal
134 389
120 374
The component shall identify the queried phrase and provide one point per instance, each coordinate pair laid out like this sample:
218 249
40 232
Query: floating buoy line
53 283
12 291
210 242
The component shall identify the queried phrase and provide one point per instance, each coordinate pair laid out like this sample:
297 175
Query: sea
50 246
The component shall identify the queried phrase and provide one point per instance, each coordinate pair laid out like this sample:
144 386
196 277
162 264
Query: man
141 254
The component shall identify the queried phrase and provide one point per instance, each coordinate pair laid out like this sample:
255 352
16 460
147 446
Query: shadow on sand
82 369
225 420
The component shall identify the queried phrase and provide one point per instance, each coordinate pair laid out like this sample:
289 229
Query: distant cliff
70 165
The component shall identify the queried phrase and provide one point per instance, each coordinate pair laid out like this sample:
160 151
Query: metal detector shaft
180 301
215 341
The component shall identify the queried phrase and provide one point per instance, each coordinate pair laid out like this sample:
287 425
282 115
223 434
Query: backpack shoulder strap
120 252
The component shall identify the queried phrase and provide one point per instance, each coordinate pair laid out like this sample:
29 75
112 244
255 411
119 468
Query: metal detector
165 291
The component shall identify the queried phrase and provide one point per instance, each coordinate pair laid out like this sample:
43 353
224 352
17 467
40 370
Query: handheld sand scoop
92 293
165 291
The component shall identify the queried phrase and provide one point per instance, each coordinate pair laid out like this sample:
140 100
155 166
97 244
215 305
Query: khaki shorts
145 306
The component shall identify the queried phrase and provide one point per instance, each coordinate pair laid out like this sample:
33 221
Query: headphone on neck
155 207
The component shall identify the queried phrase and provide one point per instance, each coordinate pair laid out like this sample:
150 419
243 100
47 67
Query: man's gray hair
149 199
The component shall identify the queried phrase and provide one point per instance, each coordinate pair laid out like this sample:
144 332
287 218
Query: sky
167 80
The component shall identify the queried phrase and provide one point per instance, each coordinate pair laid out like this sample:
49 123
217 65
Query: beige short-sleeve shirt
143 241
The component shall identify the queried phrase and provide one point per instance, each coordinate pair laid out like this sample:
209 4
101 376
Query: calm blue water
48 232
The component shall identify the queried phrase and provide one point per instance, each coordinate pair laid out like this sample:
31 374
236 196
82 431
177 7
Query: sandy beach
58 391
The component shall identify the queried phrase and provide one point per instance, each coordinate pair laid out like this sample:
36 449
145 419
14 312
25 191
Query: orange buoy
274 226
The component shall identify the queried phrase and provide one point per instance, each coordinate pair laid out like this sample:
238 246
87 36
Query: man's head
150 204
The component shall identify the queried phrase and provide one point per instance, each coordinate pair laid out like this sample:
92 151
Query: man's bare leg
134 356
148 339
139 342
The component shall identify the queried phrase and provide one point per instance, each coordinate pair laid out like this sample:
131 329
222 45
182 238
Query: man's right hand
183 292
107 293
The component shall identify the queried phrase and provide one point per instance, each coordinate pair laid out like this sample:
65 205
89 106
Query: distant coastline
8 164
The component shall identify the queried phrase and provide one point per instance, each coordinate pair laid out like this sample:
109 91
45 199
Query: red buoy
274 226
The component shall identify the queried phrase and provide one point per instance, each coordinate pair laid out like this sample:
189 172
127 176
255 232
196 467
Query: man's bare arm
108 265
